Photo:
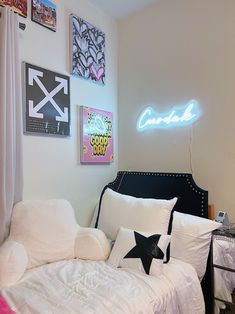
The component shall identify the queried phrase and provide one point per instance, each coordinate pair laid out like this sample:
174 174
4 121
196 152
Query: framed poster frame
20 7
44 13
46 102
87 44
96 132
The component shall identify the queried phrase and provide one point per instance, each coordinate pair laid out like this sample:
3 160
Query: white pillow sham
140 251
190 240
119 210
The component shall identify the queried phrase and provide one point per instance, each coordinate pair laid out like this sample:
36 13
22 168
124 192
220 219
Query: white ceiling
121 8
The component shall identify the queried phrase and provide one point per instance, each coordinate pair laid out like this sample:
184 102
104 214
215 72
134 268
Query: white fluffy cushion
126 241
119 210
91 244
190 240
13 262
47 229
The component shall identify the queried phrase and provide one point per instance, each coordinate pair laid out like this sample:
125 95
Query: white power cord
191 149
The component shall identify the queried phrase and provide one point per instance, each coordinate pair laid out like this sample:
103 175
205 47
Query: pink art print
4 307
96 135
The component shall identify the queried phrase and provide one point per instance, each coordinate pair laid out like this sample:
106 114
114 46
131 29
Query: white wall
169 53
52 166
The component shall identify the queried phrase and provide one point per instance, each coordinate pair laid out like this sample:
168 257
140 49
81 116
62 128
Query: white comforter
87 287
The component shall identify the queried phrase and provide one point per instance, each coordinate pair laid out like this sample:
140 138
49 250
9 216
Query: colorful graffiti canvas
19 7
96 135
43 12
88 50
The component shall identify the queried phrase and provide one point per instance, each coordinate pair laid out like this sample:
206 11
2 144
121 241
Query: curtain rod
21 25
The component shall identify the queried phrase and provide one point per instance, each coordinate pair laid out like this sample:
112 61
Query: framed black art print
46 102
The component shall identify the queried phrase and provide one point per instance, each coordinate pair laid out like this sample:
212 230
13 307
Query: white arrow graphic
33 110
64 84
34 74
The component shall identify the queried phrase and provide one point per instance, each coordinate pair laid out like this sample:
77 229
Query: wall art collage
46 103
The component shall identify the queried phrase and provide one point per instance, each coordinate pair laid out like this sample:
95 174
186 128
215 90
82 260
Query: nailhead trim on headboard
189 180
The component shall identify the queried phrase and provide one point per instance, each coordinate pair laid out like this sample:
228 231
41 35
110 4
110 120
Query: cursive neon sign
149 119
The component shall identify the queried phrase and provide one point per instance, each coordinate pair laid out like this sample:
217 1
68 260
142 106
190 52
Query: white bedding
224 255
87 287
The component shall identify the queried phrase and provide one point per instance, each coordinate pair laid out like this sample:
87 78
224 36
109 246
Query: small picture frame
44 12
19 7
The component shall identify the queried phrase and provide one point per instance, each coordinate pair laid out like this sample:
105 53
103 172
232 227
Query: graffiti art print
88 50
43 12
47 102
96 135
19 7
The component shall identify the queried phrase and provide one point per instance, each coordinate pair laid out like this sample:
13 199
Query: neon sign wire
150 119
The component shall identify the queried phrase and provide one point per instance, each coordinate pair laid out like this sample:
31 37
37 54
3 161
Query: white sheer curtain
10 119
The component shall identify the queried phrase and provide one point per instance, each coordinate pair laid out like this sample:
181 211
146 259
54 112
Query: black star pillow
141 251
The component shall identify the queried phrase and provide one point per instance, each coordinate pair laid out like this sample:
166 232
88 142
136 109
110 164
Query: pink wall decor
96 135
4 307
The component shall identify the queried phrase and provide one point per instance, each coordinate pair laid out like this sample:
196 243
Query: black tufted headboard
191 200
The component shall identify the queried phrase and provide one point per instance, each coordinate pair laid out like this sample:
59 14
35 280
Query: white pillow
130 243
119 210
91 244
13 262
46 228
190 240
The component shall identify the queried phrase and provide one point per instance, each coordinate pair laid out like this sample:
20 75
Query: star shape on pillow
146 249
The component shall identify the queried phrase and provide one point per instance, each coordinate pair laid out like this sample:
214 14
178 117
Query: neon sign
149 119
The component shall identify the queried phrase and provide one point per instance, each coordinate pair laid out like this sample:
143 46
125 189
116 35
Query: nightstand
223 270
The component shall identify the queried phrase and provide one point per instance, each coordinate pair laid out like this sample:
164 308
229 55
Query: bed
192 200
82 285
94 287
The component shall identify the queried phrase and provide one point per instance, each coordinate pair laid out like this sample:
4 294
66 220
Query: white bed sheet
86 287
